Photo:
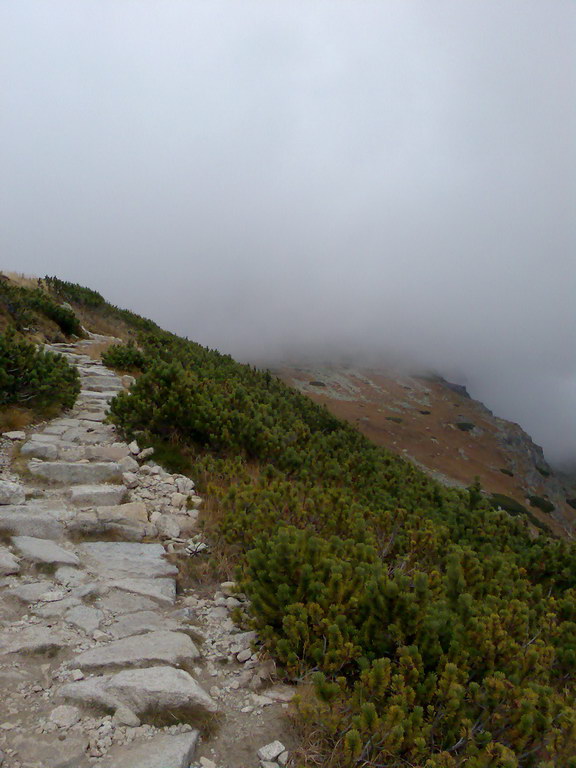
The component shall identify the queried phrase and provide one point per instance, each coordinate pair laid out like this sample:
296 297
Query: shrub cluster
25 305
73 292
32 378
438 632
124 357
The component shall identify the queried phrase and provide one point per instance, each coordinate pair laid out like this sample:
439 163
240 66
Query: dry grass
13 418
319 744
204 570
209 723
96 321
19 278
95 351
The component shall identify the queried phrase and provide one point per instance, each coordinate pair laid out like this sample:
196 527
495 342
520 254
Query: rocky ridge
102 661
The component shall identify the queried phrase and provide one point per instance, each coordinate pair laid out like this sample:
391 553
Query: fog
378 180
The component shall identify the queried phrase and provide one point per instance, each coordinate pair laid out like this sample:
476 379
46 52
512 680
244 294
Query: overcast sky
275 177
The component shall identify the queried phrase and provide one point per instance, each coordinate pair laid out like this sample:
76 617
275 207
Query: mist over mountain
383 181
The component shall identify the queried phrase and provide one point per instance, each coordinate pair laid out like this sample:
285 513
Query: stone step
162 591
140 622
127 560
168 751
90 525
31 640
87 394
112 382
75 473
21 520
101 386
162 647
43 551
97 495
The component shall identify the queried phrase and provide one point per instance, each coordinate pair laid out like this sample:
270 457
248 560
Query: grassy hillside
434 631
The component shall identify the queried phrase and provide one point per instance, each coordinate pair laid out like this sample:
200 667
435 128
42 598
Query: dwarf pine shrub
437 633
33 378
124 357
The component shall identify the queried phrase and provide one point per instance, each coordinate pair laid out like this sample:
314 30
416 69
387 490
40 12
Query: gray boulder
151 690
11 493
8 562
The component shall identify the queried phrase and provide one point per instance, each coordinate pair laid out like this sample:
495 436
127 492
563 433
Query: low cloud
378 180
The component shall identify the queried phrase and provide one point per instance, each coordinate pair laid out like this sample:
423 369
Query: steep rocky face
441 428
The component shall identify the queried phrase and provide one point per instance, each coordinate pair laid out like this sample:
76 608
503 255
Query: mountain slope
439 427
423 623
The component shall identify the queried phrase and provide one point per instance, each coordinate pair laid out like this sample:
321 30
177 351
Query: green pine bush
33 378
435 630
124 357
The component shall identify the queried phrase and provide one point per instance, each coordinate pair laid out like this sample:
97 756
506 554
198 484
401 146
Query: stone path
102 661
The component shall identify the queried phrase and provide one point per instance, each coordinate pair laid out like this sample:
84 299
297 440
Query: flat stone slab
30 593
159 752
39 437
8 562
151 690
97 495
65 422
118 602
70 577
113 452
134 511
88 394
140 651
75 473
118 559
55 429
34 639
162 591
140 622
11 493
85 617
20 520
43 551
54 609
50 752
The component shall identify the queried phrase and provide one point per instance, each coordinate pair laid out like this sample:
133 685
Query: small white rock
125 716
271 751
130 479
15 435
65 716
